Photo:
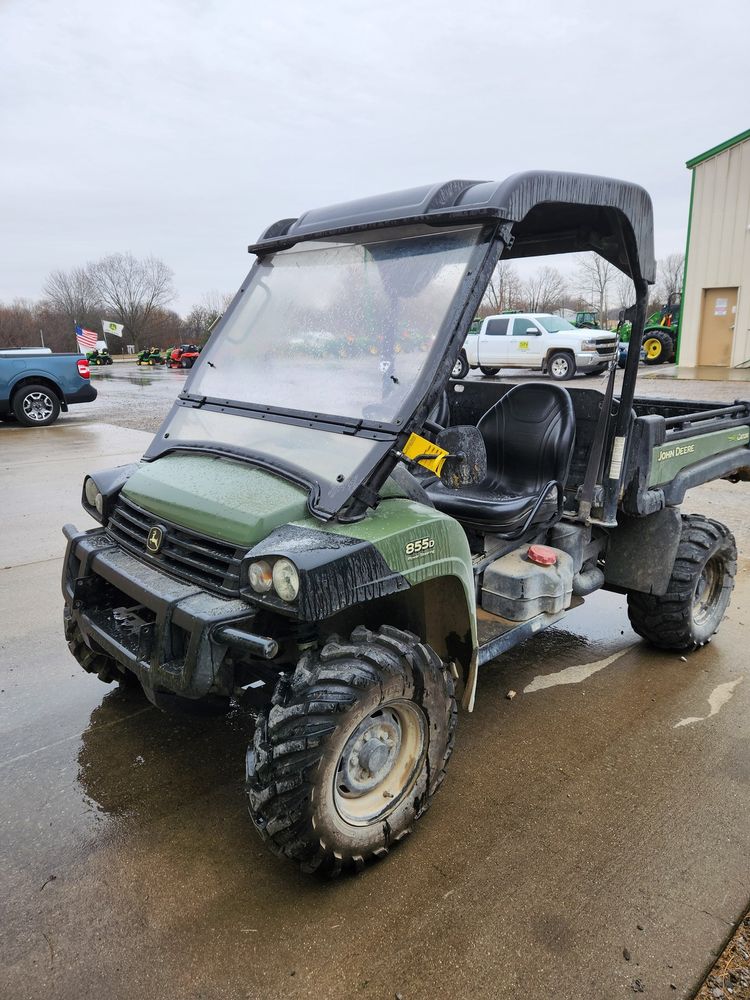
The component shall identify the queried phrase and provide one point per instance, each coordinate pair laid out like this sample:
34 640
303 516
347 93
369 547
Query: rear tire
352 751
658 347
699 589
561 366
489 372
461 367
36 405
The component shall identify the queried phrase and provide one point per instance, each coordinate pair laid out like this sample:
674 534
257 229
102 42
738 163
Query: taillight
83 368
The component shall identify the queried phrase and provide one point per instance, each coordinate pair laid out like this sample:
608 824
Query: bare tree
504 289
73 294
544 290
24 324
132 289
671 270
595 276
204 314
625 290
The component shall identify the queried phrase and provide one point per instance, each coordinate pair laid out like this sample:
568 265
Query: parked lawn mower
150 356
183 356
97 357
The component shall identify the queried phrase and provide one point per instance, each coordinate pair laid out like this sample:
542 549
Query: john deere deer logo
155 539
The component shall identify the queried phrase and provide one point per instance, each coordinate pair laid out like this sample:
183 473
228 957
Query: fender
402 548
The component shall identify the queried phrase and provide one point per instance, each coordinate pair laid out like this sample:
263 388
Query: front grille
185 554
605 347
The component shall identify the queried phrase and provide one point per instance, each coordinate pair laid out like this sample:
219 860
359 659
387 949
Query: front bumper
592 359
161 629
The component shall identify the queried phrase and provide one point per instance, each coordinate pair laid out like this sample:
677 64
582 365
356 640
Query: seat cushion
487 507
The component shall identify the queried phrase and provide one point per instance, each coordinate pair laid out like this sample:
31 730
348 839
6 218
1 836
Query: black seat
529 436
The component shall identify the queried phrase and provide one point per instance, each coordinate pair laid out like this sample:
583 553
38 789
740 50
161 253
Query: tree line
119 288
137 293
594 284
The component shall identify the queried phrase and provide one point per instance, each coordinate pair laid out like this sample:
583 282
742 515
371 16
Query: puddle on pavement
135 758
595 631
140 376
716 701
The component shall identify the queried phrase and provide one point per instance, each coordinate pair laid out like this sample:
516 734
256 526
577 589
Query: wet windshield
555 324
326 354
341 328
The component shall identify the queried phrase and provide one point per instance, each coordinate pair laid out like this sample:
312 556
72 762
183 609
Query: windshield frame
327 500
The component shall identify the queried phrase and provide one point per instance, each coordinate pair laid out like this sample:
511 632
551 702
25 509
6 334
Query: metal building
715 321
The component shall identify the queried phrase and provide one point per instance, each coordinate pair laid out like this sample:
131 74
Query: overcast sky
182 129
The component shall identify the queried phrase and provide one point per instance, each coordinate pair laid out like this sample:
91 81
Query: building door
717 326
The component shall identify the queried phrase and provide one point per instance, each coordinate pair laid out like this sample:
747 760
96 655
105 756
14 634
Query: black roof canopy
549 212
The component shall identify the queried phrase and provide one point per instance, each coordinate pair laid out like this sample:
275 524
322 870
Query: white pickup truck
535 340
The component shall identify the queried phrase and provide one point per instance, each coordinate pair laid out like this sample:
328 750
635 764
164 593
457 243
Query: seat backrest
529 436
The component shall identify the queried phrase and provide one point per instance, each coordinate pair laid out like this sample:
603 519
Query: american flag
86 339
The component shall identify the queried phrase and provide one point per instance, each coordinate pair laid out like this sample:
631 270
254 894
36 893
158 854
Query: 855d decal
418 547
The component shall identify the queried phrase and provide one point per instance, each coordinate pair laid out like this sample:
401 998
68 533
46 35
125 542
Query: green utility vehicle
340 543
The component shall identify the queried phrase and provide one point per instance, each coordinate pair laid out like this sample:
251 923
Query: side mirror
466 464
532 331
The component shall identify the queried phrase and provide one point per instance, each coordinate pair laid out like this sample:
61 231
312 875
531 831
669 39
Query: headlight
285 579
93 497
589 345
260 576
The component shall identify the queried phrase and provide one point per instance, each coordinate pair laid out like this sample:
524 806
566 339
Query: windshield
555 324
326 353
341 328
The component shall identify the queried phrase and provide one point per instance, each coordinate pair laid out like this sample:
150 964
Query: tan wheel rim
707 591
380 763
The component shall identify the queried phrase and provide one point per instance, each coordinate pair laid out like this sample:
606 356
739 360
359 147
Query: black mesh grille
183 553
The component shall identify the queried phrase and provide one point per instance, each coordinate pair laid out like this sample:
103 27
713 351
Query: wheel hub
370 753
37 406
379 762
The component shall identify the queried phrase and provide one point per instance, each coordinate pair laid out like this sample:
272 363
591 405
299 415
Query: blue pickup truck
35 385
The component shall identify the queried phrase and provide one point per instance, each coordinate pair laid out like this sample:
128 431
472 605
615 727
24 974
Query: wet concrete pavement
572 816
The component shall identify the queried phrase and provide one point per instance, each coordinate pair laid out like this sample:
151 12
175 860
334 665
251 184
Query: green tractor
341 544
661 330
659 333
587 320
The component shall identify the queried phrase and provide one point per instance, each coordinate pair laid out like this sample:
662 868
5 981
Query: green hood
217 497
